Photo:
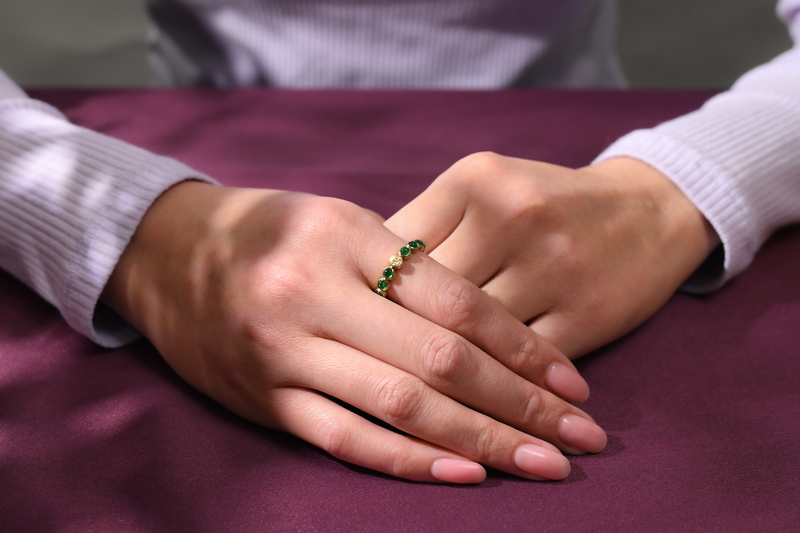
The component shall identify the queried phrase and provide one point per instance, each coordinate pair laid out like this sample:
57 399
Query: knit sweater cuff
70 201
714 195
737 160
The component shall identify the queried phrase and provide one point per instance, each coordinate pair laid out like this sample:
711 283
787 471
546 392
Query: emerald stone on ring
395 263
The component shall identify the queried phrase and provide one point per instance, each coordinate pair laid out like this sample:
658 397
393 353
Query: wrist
132 276
177 251
682 231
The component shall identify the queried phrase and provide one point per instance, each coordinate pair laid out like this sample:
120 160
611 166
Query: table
701 403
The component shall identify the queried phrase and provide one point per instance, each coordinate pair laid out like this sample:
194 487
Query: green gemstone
382 285
420 244
388 273
413 245
379 293
405 251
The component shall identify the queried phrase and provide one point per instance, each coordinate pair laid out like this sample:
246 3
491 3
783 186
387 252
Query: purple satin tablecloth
701 403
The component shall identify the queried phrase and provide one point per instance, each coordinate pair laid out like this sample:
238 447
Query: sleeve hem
103 325
708 186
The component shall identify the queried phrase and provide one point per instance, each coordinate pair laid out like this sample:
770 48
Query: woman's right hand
263 300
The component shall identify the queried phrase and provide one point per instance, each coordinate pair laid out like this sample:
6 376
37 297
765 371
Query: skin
583 256
262 300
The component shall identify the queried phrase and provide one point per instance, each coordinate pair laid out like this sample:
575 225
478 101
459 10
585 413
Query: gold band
395 263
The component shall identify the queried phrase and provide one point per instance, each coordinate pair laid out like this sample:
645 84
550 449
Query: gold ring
395 263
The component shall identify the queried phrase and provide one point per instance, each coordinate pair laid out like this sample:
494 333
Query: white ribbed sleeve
737 158
70 201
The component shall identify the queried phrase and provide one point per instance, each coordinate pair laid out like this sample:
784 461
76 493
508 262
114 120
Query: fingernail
576 431
457 471
541 462
567 383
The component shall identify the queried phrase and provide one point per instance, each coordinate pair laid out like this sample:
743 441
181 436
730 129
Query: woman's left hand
584 255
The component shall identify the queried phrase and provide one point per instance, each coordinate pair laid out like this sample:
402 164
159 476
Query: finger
474 250
452 233
572 334
453 366
351 438
438 295
538 296
432 216
408 404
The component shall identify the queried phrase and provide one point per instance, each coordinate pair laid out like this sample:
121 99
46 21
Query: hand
263 301
584 255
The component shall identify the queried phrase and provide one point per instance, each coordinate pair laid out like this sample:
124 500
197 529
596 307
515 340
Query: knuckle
534 410
459 302
330 227
313 218
400 399
334 435
482 163
529 205
476 169
445 358
401 461
487 442
283 280
566 250
322 217
526 356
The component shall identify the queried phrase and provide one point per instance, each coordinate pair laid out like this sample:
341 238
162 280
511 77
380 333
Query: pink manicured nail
541 462
566 383
456 471
582 434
